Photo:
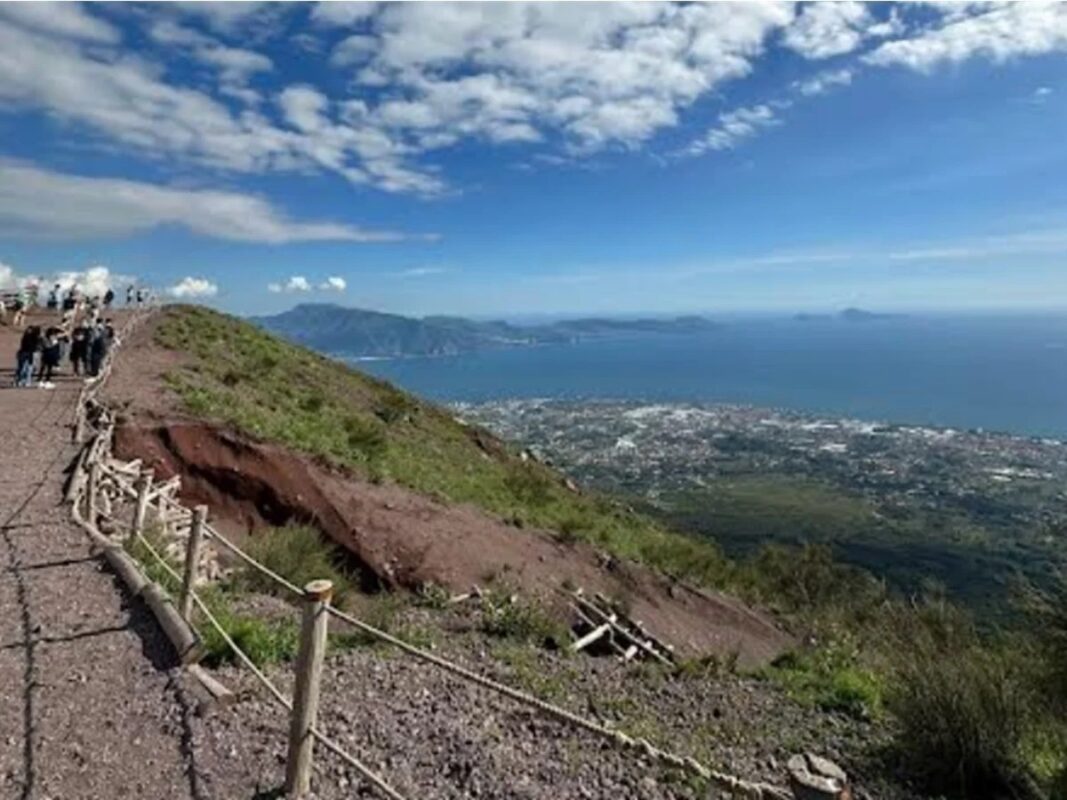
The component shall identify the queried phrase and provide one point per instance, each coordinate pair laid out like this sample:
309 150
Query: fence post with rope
313 630
192 563
143 487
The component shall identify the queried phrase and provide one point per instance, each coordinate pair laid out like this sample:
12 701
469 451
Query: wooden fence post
313 631
192 563
144 487
91 488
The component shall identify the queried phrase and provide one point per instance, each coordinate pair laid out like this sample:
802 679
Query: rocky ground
433 735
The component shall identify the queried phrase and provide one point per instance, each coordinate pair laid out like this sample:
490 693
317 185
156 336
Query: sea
998 373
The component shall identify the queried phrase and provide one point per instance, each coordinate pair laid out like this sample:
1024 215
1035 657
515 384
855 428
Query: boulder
812 777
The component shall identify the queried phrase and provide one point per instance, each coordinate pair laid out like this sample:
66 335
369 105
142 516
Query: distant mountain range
356 332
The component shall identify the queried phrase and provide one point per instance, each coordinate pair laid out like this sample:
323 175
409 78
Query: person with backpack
28 347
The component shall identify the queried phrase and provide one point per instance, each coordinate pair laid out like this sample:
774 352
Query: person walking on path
51 353
79 350
28 347
99 344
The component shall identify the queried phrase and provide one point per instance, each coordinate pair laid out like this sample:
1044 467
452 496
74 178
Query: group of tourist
88 345
69 303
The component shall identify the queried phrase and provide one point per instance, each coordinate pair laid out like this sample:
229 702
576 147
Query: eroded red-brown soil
399 537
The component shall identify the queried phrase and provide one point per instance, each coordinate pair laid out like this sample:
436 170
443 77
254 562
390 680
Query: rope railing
124 479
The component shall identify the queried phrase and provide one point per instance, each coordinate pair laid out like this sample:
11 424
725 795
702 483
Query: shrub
297 553
1046 611
529 484
963 708
366 438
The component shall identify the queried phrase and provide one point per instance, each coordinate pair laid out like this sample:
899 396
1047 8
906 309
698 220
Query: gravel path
91 706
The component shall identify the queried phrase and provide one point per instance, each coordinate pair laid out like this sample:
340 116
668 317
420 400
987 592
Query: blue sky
516 158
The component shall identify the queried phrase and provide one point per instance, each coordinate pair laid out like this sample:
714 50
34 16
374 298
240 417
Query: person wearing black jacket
99 344
28 347
79 350
51 354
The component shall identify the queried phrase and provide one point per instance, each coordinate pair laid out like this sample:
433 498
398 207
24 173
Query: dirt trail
91 705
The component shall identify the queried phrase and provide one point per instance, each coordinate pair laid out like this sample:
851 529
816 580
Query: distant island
848 315
360 333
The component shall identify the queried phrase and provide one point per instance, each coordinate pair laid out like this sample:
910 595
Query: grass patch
264 642
298 553
832 678
521 620
528 673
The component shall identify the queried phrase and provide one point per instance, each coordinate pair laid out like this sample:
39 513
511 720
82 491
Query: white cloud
822 82
828 29
342 13
421 272
226 17
600 74
1040 95
68 20
354 49
190 287
996 31
735 126
235 65
334 283
1036 242
297 283
38 203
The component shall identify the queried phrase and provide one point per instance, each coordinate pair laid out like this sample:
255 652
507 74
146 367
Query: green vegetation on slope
272 390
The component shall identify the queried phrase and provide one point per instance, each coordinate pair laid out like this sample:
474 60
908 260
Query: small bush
366 438
510 617
528 484
297 553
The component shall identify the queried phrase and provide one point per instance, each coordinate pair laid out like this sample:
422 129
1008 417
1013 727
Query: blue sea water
998 373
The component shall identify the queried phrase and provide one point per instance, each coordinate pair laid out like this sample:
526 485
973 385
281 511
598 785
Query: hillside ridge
356 332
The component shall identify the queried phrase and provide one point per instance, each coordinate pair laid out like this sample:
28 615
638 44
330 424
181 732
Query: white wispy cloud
190 288
995 31
421 272
37 202
68 20
736 126
822 82
235 65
